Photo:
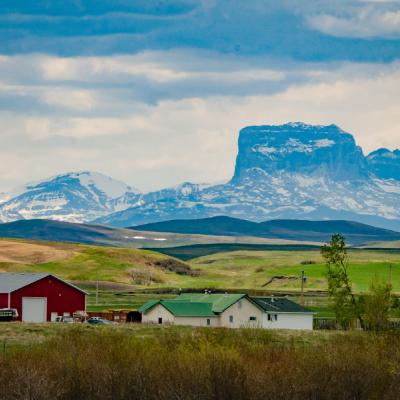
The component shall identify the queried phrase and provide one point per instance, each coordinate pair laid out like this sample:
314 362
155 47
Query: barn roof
280 304
12 281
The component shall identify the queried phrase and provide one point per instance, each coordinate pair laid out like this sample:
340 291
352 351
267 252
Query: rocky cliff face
301 149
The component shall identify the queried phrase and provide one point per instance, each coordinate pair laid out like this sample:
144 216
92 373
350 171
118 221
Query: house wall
197 321
289 321
241 312
3 300
158 312
61 297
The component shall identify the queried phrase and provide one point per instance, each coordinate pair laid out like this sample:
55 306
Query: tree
339 285
377 305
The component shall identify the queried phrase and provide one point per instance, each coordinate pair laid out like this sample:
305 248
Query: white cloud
148 65
367 22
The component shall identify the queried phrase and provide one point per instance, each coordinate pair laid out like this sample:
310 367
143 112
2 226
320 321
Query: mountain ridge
318 231
73 197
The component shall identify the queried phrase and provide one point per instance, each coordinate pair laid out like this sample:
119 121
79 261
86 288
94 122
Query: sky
154 92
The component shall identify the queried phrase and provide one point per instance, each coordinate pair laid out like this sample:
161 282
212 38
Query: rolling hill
316 231
121 271
48 230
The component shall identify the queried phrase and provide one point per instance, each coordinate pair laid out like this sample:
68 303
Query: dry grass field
24 252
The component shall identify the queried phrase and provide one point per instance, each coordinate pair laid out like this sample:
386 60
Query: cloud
84 121
253 27
368 22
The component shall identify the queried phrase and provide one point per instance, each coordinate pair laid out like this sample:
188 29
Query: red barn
40 297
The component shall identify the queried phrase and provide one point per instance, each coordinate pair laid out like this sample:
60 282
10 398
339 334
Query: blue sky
155 92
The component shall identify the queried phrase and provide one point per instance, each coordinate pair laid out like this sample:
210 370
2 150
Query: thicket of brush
202 364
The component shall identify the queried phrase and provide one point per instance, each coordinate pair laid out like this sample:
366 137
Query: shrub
178 363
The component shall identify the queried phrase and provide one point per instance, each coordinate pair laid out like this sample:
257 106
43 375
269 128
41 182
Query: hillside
317 231
87 264
122 270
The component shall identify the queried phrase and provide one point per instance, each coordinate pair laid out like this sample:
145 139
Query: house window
231 319
269 317
253 318
208 321
160 320
275 317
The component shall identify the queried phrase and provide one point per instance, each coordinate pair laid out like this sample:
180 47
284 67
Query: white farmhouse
229 311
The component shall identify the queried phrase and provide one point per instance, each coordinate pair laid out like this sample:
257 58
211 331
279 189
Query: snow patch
109 186
322 143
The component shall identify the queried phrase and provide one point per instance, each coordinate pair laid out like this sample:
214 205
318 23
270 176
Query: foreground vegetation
184 363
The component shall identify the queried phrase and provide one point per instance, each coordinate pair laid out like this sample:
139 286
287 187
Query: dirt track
31 253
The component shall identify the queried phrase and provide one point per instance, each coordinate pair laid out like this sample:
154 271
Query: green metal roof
188 308
148 306
195 304
219 302
210 305
280 304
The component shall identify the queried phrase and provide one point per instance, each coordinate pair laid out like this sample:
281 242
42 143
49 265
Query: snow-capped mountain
289 171
73 197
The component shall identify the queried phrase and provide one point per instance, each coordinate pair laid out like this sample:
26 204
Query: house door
34 309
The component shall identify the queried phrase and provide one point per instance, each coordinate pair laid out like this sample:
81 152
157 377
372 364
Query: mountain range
215 230
290 171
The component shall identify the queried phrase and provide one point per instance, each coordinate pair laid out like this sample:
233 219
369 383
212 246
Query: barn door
34 309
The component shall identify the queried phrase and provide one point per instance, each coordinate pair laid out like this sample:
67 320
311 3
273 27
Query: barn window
231 319
253 318
208 321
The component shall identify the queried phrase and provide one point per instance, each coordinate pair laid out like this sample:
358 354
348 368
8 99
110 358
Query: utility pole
302 287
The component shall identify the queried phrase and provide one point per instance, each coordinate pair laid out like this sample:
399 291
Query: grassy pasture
249 269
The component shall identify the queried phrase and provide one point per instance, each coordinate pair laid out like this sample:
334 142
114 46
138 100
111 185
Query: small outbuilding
40 297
